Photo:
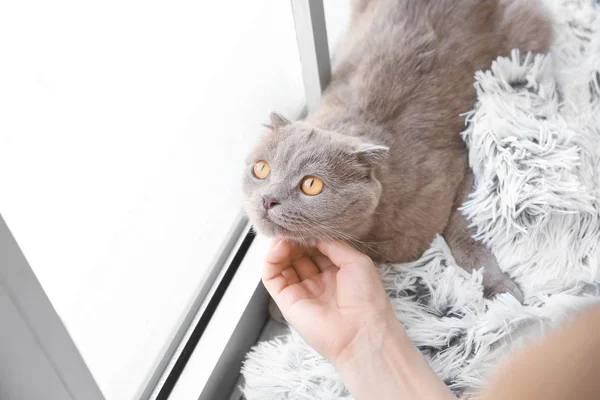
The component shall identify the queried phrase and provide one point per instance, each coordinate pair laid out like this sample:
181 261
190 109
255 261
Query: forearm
563 365
383 363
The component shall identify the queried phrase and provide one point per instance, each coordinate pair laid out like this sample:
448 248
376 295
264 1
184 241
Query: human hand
332 295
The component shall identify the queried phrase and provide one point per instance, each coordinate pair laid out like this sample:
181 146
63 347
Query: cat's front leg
471 254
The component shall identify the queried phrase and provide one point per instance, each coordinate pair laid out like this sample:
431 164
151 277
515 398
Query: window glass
123 131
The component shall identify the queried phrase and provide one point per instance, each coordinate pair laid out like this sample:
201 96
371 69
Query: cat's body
404 76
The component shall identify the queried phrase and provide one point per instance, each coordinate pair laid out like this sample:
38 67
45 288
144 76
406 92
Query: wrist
370 341
383 363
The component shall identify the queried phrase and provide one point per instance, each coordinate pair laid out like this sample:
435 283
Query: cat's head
305 183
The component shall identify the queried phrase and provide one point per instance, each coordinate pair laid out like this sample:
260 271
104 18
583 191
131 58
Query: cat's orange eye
311 185
261 169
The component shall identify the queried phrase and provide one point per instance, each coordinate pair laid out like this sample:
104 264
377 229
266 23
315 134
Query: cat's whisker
352 237
354 242
319 226
319 231
301 238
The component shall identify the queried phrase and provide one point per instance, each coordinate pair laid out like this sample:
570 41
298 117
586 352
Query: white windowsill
220 329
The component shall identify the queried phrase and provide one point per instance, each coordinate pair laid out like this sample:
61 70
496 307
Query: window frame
37 331
313 49
31 325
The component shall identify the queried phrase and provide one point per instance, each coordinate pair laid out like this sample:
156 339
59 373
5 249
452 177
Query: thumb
342 254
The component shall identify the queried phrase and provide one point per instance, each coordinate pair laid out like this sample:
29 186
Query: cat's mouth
278 226
273 225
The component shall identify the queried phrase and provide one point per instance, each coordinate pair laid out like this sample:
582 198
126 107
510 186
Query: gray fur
386 137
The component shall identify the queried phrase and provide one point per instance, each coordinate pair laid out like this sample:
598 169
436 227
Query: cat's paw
504 285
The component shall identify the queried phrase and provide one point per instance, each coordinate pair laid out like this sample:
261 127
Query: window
123 134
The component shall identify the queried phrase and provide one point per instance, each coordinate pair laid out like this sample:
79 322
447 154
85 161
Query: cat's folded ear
372 154
277 121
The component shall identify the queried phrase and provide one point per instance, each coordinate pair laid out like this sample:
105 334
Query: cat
380 164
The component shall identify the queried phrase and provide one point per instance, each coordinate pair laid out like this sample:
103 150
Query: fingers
291 275
303 264
342 255
305 267
322 262
286 265
277 260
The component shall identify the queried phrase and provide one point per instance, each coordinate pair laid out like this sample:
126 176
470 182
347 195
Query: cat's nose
269 202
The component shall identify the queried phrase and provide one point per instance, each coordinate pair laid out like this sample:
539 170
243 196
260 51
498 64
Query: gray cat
381 164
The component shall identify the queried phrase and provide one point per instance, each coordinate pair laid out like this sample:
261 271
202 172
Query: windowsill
234 327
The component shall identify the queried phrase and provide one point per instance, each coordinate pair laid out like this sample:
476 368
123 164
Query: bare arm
383 363
563 365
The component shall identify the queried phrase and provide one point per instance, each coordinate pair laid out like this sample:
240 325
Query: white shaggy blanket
534 146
